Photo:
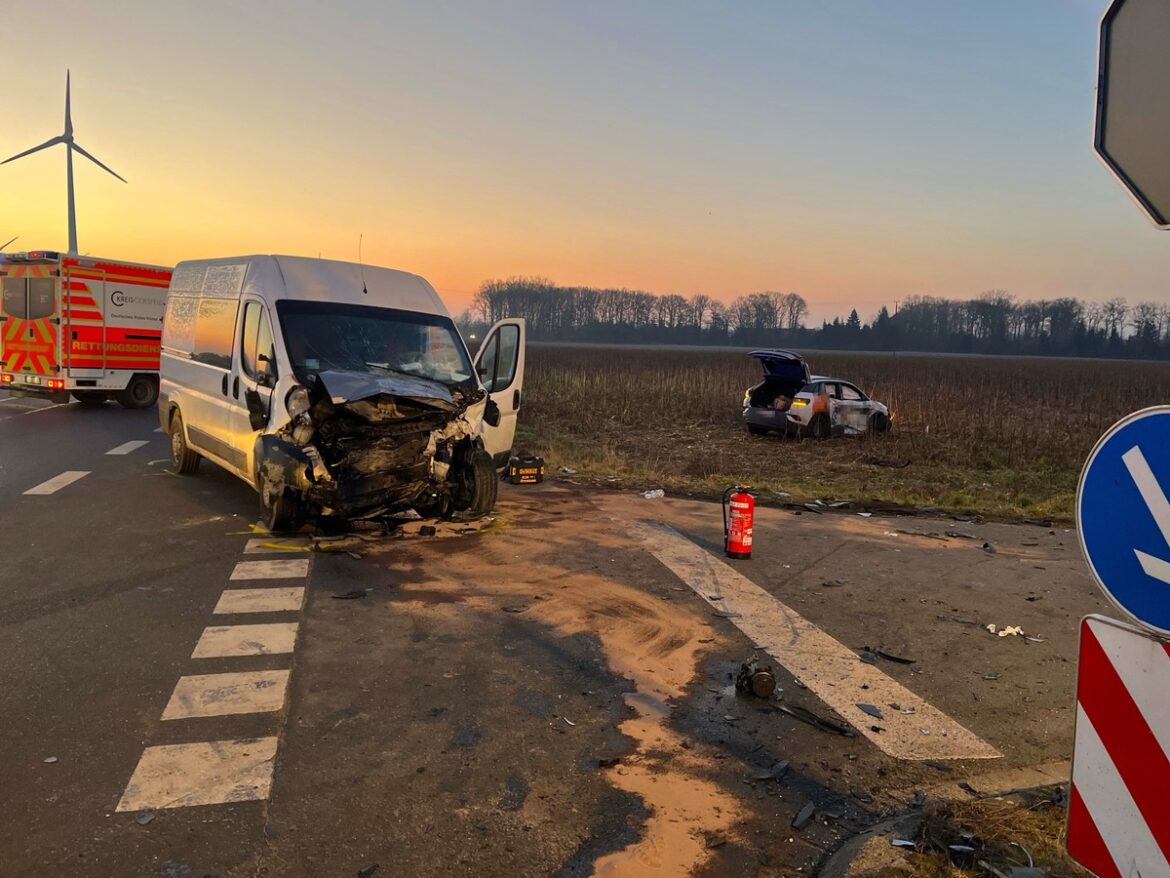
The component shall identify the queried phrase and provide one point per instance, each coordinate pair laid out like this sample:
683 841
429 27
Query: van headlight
297 402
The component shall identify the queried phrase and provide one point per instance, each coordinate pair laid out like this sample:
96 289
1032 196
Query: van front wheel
279 512
479 484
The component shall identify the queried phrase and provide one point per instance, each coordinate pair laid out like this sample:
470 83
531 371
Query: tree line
991 323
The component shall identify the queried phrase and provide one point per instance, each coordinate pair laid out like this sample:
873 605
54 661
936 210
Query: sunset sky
853 152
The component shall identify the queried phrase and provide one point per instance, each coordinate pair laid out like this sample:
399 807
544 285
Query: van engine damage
359 445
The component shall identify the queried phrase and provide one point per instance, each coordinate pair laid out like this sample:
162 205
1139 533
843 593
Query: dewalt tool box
526 469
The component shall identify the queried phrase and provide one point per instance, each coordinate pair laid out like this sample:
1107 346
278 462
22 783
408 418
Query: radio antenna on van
361 266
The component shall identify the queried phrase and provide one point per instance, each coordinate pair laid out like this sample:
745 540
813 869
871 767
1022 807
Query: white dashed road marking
224 694
55 484
260 600
831 671
234 640
289 569
206 773
127 447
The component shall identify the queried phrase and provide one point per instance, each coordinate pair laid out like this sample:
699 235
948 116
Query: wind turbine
70 146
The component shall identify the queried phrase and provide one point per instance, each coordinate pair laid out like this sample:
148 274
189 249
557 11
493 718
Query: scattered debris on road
888 656
807 716
872 710
49 760
654 495
1006 631
352 594
804 816
962 620
756 679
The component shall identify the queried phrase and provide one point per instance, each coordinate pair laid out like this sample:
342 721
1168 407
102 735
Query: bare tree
700 305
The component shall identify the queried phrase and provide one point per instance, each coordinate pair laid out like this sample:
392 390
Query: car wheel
819 428
140 393
879 423
91 398
756 431
183 459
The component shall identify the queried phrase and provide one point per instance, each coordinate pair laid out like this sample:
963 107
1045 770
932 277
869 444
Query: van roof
304 278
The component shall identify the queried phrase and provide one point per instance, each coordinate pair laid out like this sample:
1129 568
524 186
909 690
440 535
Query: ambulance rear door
29 330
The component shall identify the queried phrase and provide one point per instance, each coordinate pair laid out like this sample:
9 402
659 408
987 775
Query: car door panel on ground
500 366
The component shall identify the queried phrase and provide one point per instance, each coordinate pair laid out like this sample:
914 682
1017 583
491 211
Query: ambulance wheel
183 459
140 393
91 398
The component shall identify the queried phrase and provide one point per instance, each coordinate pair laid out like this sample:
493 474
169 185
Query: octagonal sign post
1132 133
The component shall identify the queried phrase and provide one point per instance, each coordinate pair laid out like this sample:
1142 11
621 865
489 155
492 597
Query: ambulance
81 326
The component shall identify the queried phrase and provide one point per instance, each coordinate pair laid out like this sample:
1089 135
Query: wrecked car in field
336 390
792 402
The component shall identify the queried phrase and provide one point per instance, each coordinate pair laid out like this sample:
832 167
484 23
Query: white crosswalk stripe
293 568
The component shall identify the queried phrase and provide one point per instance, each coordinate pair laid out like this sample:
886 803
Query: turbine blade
68 116
99 164
6 243
44 145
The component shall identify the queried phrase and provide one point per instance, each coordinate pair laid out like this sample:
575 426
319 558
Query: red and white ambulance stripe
1119 808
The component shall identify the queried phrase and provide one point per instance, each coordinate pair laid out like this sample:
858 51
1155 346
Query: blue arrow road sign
1123 516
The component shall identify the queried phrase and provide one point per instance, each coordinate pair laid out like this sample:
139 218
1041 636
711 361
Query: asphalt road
548 695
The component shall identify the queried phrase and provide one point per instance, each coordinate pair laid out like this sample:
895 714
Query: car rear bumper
769 419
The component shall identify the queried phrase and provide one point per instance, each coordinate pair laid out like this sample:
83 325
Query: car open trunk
785 374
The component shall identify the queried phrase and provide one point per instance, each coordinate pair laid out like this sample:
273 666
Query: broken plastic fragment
804 816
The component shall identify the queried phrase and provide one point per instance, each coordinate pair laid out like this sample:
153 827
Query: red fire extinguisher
739 511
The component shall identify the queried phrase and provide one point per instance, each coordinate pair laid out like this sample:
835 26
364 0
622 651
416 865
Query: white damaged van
335 389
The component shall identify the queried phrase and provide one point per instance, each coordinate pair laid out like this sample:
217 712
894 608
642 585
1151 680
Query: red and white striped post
1119 801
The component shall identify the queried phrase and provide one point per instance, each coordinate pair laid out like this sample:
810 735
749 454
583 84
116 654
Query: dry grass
1000 436
1003 831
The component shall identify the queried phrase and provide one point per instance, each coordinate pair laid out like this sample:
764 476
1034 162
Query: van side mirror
491 413
265 371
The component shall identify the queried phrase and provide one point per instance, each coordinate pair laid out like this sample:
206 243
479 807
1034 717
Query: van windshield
320 336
